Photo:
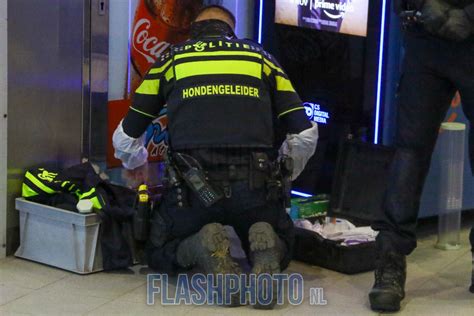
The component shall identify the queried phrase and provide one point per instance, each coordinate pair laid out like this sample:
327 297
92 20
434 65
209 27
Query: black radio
196 181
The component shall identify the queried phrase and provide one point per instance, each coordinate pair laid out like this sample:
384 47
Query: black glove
434 15
458 27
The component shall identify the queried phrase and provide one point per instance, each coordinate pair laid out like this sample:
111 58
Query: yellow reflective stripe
169 74
96 203
141 112
160 69
27 192
219 67
283 84
149 87
217 53
289 111
267 70
38 183
273 66
86 194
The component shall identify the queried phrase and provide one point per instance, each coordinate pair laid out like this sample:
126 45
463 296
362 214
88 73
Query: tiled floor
437 285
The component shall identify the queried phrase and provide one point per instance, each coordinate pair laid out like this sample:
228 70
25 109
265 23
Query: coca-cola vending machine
153 26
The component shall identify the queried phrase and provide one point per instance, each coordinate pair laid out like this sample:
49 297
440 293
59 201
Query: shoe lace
224 260
390 272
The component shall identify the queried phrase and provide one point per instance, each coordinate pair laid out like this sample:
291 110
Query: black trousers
171 223
433 70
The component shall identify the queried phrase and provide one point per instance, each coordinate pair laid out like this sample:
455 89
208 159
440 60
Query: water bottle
141 218
451 189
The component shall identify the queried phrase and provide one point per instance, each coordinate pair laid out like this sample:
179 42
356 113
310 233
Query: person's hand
135 177
434 15
458 27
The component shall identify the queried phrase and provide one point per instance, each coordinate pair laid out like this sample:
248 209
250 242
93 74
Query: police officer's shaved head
216 12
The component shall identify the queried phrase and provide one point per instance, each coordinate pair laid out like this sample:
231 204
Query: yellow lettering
197 91
257 93
209 90
227 89
215 89
211 45
203 90
246 46
187 47
191 92
246 90
185 93
238 90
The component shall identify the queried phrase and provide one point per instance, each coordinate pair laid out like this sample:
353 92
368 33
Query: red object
157 25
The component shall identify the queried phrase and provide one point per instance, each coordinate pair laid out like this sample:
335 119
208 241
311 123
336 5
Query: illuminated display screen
340 16
315 113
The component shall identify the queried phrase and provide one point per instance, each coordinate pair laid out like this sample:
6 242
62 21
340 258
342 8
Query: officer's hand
458 27
134 178
434 15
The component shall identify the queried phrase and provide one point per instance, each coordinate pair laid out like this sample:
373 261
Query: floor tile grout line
116 298
439 270
32 290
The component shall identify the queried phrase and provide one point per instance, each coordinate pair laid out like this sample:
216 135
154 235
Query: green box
317 205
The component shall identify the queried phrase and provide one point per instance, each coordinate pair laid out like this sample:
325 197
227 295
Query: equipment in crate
58 192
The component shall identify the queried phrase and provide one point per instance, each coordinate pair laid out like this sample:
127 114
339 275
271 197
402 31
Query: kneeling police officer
225 98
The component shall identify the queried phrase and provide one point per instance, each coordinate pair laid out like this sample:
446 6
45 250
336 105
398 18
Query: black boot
266 252
389 286
471 238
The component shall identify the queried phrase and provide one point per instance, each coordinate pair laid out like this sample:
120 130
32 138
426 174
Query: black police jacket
219 92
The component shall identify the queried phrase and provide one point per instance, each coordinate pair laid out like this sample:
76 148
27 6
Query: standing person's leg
424 98
464 78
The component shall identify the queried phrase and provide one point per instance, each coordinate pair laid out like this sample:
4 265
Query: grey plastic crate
59 238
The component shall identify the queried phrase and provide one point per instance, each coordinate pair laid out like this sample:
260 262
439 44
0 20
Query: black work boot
389 286
471 238
266 252
209 250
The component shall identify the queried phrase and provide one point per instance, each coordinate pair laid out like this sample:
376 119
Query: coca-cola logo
150 47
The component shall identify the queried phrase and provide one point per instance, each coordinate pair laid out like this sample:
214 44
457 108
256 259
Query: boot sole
262 239
214 238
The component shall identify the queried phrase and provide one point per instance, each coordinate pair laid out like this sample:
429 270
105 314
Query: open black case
357 195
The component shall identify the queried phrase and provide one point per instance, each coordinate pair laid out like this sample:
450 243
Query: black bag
357 194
